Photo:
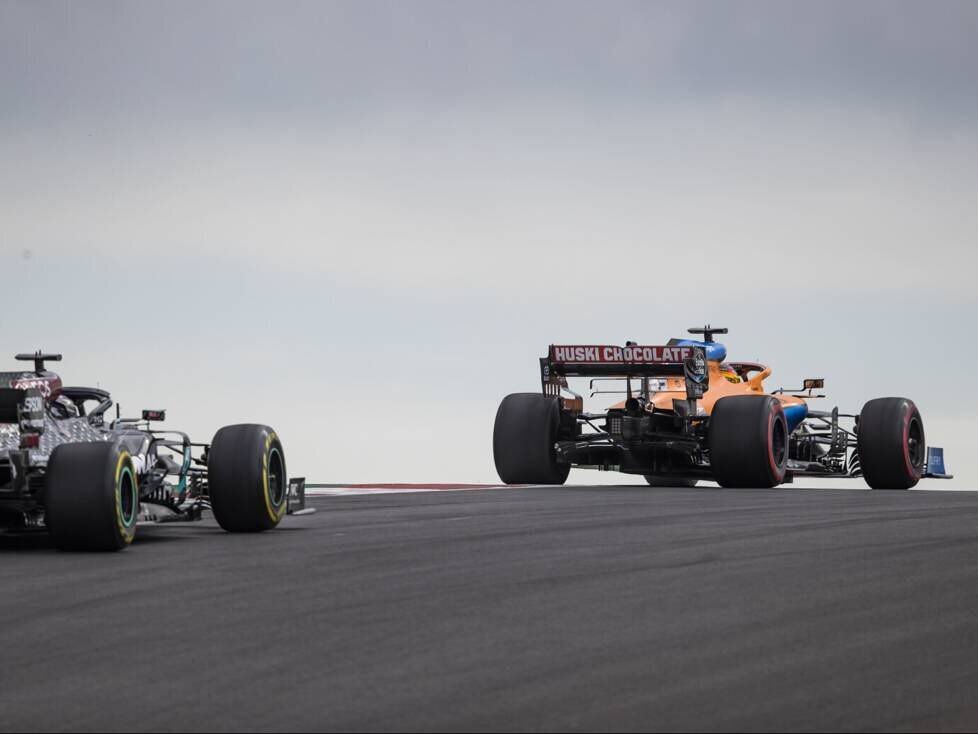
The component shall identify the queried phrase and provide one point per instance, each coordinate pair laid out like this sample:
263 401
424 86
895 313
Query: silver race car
90 482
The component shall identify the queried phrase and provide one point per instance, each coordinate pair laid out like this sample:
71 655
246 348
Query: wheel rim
127 497
276 478
779 442
915 443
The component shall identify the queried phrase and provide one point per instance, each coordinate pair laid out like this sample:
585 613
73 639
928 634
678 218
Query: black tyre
91 497
656 481
748 441
891 444
246 478
523 438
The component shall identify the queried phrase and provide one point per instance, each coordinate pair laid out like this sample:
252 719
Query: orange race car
689 415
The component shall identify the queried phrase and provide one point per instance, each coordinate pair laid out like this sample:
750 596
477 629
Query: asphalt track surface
591 608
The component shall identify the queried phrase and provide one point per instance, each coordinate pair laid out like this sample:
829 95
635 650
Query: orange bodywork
749 381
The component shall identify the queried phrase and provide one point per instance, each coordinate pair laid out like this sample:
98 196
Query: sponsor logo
31 413
620 355
33 384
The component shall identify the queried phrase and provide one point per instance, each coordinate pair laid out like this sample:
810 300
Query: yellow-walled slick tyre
91 497
246 478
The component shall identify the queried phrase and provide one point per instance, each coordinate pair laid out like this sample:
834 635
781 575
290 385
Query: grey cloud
531 172
125 61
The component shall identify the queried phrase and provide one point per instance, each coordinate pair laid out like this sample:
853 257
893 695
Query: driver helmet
729 374
64 407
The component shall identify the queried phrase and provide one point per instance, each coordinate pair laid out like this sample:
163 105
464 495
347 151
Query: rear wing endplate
23 407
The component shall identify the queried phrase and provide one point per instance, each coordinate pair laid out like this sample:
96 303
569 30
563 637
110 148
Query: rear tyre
748 441
891 444
523 438
246 478
656 481
91 497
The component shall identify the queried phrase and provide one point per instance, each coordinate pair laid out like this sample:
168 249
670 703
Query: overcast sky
363 222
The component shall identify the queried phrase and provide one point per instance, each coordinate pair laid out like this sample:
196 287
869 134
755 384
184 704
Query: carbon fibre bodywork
56 431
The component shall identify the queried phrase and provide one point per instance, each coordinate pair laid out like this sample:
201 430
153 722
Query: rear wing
602 360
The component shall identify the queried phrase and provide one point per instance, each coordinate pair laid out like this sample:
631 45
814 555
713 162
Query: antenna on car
38 358
707 331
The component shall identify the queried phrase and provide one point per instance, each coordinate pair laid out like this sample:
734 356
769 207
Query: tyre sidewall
84 496
275 506
883 443
526 427
741 440
239 476
776 420
125 525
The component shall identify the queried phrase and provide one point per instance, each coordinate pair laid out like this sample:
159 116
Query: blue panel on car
715 352
935 460
795 414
